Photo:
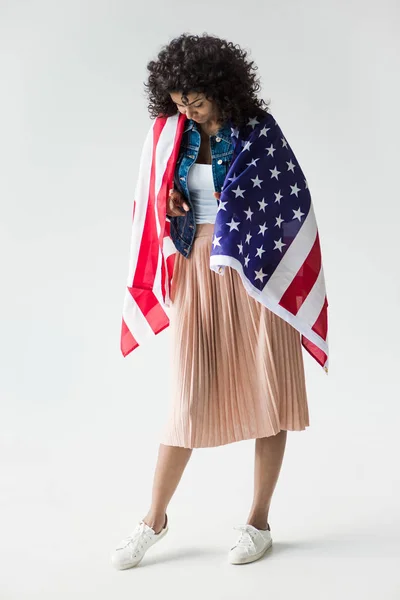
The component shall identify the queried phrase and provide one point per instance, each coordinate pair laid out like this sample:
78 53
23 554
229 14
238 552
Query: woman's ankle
156 521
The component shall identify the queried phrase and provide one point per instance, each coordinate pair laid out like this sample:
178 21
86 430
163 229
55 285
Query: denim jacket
183 228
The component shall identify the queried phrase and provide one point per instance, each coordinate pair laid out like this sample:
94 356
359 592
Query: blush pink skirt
237 368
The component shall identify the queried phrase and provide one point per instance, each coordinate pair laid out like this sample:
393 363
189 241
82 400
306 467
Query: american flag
265 229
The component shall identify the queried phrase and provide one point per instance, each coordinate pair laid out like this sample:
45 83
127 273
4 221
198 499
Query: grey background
79 424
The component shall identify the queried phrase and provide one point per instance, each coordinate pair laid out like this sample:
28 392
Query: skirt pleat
237 369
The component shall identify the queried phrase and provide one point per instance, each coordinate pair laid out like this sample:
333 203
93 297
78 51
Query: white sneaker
132 549
251 545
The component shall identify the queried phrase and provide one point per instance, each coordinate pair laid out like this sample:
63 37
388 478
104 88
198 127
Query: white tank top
200 183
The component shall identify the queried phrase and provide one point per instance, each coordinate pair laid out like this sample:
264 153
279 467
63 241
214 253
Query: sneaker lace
133 539
246 538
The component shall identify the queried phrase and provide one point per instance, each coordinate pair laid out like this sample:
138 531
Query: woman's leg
269 453
171 463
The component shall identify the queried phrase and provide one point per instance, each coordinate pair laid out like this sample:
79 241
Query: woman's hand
176 204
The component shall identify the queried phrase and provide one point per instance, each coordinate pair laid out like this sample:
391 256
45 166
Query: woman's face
195 106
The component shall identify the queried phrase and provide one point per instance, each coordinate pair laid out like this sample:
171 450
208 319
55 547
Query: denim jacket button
220 162
218 139
182 178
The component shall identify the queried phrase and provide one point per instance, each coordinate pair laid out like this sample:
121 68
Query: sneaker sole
250 559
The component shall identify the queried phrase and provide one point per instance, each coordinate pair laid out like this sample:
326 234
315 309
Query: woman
237 367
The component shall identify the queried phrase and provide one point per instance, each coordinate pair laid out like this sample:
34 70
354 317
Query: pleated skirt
236 368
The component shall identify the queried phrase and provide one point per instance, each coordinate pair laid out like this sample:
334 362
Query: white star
235 132
246 260
248 212
298 214
271 150
263 228
279 220
238 192
262 204
233 225
248 238
274 173
257 182
284 143
260 251
240 246
260 275
264 131
216 241
232 178
221 205
295 190
306 184
247 146
279 244
278 197
253 163
290 165
253 122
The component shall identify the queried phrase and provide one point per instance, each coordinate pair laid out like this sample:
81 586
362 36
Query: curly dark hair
210 65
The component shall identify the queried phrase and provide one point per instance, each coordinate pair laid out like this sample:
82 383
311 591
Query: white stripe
163 152
293 259
135 320
141 198
312 305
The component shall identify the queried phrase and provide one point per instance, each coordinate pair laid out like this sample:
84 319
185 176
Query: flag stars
260 275
216 241
238 192
278 197
246 260
262 204
264 131
233 225
221 205
248 212
247 146
248 238
306 184
235 132
240 246
279 220
271 150
260 251
284 143
253 122
257 182
253 163
232 178
279 244
274 173
295 190
290 165
298 214
263 228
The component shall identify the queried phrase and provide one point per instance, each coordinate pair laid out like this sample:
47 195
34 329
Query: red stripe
321 324
128 342
152 310
149 246
315 352
168 177
304 280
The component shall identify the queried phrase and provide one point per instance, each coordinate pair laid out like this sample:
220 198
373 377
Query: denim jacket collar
225 132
